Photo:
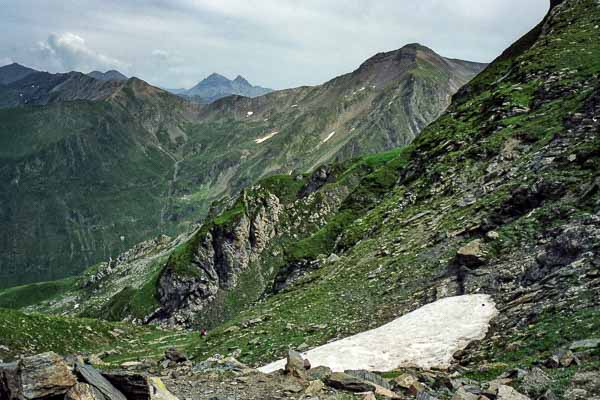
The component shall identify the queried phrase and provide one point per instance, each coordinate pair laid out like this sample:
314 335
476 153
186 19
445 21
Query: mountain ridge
196 154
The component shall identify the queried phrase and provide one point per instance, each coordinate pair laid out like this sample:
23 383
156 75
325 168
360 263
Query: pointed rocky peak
216 78
240 80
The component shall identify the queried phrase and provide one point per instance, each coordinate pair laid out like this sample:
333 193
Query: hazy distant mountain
217 86
111 75
14 72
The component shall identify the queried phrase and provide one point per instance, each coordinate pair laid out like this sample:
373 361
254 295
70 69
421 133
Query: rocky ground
49 376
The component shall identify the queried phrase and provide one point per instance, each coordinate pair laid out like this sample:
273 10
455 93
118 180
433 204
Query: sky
272 43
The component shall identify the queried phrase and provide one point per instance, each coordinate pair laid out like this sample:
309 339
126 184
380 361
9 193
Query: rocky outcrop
36 377
216 257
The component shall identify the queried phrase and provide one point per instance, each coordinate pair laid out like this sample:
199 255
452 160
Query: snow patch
265 138
250 113
328 137
426 338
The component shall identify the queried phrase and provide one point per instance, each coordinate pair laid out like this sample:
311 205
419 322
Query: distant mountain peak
242 80
111 75
215 77
217 86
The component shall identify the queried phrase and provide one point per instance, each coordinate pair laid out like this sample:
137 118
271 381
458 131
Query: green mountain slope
89 168
501 195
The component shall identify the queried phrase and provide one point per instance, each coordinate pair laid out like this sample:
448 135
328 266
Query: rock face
218 255
40 376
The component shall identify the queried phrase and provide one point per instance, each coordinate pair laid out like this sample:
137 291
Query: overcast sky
273 43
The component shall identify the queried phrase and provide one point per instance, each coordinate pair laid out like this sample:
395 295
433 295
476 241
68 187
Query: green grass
23 296
33 333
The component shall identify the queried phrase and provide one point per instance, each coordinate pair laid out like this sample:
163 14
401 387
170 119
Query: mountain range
216 86
488 217
139 161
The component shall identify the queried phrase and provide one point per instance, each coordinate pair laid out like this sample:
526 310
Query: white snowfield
426 338
265 138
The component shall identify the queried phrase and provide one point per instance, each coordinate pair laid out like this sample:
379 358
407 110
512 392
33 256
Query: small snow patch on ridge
426 338
265 138
328 137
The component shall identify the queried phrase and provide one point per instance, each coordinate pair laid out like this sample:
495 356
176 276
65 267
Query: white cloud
162 55
274 43
73 53
5 61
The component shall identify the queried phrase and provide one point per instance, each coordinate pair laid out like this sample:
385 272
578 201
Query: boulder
343 381
369 377
587 344
406 380
508 393
562 358
40 376
472 254
83 391
319 373
295 365
175 355
536 381
314 388
369 396
158 390
10 381
91 376
462 394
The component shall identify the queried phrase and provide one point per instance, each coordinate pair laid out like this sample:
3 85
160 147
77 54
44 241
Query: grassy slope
392 254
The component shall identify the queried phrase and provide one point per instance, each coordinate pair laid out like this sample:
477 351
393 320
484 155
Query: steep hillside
501 195
383 104
217 86
83 180
108 164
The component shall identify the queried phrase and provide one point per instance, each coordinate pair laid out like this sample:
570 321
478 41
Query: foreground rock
83 391
95 379
40 376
